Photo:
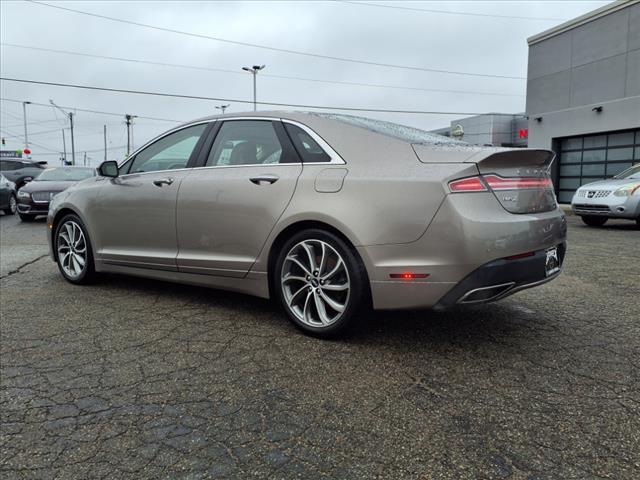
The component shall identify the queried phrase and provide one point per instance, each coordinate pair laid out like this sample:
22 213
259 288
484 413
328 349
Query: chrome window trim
336 159
265 165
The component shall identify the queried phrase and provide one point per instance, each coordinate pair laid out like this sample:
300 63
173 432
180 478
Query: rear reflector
499 183
408 276
521 255
471 184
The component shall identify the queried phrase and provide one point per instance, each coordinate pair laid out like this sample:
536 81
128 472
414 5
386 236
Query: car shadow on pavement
474 324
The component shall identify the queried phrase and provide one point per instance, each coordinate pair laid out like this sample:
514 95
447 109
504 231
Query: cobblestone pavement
140 379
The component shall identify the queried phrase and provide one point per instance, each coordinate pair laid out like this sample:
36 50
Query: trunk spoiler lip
474 154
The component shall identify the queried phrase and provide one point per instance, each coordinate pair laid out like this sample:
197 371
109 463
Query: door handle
262 179
163 181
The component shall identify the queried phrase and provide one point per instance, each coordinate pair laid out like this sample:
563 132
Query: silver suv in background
617 197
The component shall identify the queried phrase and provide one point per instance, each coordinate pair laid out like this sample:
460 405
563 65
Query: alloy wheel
315 283
13 206
72 249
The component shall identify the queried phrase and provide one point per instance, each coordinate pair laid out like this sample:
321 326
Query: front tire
321 283
594 221
13 205
73 250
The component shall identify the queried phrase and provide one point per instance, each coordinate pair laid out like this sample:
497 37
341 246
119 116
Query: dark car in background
34 197
21 171
7 195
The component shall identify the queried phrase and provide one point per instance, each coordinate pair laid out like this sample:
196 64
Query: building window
588 158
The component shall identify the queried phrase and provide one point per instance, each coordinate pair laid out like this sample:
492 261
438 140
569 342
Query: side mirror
108 169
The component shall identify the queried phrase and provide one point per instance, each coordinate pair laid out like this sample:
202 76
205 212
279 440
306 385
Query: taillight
499 183
470 184
494 182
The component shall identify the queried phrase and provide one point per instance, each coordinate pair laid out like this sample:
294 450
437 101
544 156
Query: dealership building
583 99
495 129
583 95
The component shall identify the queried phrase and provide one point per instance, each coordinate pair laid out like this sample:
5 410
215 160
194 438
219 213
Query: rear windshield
63 174
394 130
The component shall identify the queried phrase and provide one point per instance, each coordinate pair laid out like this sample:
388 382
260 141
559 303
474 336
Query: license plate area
552 262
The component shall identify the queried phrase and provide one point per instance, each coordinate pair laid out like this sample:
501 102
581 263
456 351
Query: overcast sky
464 43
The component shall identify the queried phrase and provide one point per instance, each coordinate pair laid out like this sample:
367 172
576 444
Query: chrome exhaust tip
486 294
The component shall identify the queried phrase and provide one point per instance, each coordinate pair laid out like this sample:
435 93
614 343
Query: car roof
399 132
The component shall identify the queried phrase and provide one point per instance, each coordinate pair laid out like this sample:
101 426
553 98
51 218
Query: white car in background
617 197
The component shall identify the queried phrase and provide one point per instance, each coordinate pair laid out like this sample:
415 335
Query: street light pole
254 70
24 117
222 108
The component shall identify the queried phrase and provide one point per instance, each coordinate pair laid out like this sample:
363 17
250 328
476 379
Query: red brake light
471 184
499 183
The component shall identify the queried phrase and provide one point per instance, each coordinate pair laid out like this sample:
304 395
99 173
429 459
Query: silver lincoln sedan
329 214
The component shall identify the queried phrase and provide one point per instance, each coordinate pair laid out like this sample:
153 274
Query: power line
235 72
16 125
447 12
13 134
172 120
276 49
235 100
35 133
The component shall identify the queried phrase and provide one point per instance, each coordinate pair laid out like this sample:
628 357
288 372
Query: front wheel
73 250
594 221
321 282
13 205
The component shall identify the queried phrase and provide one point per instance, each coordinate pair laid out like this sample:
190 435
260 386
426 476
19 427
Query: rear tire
321 283
73 251
11 209
594 221
27 218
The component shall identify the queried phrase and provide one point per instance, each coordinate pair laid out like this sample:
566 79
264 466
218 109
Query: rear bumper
468 232
501 278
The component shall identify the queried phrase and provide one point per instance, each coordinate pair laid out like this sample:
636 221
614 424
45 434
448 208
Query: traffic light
4 142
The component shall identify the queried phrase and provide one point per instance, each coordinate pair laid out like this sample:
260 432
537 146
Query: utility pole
222 108
84 162
24 117
254 71
129 122
64 147
73 145
105 142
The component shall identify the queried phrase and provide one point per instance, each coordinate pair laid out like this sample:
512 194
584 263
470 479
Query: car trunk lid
519 178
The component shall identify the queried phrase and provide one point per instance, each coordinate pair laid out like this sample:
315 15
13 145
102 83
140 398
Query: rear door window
247 142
